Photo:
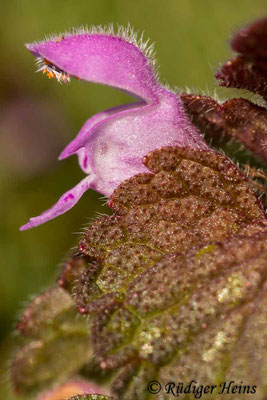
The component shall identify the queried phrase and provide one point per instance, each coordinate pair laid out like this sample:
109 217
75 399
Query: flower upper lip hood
111 145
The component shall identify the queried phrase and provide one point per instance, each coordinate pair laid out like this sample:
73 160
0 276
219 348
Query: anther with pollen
51 71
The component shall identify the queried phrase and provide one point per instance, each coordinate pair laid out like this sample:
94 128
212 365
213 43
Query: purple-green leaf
179 270
56 344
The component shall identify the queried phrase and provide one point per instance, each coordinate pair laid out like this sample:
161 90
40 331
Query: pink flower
72 388
111 145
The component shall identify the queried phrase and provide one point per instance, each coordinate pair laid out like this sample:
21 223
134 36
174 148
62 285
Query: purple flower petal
66 201
72 388
111 145
101 58
115 150
90 125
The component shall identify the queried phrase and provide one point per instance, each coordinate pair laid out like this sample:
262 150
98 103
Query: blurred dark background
39 117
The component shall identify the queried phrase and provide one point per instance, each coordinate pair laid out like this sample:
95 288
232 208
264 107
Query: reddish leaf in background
248 71
251 41
243 73
238 118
